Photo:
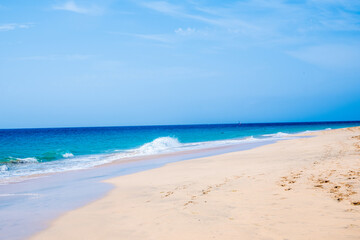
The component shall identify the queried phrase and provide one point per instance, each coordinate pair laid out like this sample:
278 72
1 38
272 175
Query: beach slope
307 188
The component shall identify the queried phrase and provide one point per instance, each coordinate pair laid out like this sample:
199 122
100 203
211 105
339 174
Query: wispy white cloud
307 16
209 18
71 6
268 19
166 39
162 38
13 26
266 23
186 31
163 7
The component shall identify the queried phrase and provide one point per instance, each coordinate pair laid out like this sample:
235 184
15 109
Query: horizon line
197 124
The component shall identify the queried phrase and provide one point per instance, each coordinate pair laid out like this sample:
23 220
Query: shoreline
131 209
121 160
66 191
210 151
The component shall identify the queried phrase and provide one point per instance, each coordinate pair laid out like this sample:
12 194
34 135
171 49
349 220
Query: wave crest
279 134
307 131
68 155
159 145
251 138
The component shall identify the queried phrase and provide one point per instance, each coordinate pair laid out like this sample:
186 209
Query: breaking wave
158 145
308 131
68 155
279 134
170 144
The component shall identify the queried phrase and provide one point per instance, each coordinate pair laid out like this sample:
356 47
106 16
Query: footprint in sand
189 202
168 194
204 192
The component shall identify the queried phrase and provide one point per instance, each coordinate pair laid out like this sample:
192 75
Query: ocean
26 152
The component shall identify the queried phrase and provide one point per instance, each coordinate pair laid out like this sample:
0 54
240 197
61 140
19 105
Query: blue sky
130 62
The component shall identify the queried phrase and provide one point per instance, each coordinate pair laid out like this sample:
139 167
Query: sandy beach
306 188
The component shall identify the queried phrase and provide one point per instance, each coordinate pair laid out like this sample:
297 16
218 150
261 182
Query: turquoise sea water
25 152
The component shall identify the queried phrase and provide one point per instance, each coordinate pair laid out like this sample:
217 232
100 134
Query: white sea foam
250 139
19 194
279 134
158 145
220 143
168 144
3 168
312 131
307 131
68 155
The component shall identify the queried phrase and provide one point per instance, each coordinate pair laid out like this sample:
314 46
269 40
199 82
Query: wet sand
30 205
306 188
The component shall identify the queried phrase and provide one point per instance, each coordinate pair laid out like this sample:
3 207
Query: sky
132 62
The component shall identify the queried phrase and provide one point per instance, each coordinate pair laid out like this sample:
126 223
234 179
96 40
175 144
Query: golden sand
306 188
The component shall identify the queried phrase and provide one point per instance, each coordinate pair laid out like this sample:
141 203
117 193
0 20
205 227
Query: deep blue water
32 151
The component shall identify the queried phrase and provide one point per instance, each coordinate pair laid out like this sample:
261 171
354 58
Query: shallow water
29 206
25 152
